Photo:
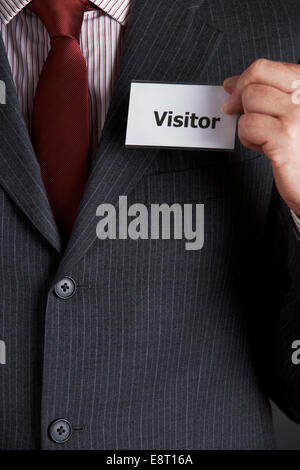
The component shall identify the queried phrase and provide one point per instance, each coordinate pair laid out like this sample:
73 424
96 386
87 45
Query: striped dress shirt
27 44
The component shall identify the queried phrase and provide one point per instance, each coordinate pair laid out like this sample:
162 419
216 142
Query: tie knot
60 17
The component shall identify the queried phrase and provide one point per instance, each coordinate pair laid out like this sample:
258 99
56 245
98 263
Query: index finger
280 75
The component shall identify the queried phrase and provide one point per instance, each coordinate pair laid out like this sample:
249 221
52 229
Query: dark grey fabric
159 348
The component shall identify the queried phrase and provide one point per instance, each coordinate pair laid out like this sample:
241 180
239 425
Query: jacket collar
166 40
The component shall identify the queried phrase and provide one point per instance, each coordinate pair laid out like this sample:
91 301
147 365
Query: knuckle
258 67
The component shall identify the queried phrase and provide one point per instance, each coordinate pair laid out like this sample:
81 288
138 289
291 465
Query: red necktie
60 125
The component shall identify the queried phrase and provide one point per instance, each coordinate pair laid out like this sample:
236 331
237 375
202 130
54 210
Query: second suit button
65 288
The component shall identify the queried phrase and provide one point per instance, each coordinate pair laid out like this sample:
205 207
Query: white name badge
179 115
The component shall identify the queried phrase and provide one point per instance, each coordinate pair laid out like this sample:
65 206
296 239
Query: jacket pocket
200 184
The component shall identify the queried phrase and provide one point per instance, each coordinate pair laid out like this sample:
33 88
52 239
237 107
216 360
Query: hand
270 121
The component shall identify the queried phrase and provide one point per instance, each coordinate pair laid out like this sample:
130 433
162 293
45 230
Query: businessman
138 343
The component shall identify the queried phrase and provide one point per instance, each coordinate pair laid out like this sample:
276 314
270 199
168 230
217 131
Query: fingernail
229 84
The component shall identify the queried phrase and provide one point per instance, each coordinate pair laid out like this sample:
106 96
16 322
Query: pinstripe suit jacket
159 348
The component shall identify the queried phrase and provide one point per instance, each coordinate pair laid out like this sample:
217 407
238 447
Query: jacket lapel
165 41
19 170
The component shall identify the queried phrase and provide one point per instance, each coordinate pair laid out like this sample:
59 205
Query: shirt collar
117 9
10 8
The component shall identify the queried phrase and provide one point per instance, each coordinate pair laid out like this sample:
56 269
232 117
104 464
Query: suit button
65 288
60 431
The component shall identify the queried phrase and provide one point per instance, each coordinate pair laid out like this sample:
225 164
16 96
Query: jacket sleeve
281 305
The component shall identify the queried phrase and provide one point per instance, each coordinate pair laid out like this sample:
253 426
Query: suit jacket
159 347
